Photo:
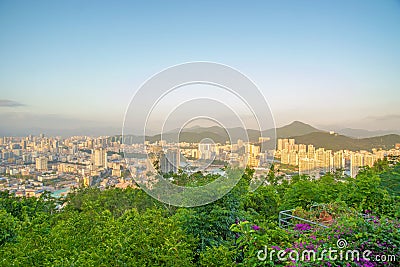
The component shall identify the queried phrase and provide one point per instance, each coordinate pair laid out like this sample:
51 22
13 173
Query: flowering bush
250 238
302 227
380 236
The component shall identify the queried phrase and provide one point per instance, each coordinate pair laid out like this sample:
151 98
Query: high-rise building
320 157
302 148
116 170
293 158
23 144
194 153
285 144
356 161
338 160
7 155
87 181
302 154
170 161
369 160
296 147
285 157
207 150
306 166
27 158
311 151
328 161
280 144
252 149
41 164
89 144
252 161
55 144
99 158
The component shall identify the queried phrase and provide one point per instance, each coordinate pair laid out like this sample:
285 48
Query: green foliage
192 180
214 256
23 208
127 227
116 201
263 203
390 179
210 223
366 193
8 230
93 239
252 238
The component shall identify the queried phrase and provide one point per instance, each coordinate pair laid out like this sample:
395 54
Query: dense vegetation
128 228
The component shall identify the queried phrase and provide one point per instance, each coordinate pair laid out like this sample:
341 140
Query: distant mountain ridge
295 128
221 135
301 132
361 133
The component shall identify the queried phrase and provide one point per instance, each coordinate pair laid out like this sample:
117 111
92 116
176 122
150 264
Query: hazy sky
76 64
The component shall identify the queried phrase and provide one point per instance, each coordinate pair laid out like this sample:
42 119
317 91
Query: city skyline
332 65
199 133
59 165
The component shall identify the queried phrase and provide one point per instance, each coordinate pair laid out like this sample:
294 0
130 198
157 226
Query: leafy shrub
8 225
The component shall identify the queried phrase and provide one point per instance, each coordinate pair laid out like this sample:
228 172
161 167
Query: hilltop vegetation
128 228
341 142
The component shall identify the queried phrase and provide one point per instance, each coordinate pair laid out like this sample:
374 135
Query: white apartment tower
41 164
99 158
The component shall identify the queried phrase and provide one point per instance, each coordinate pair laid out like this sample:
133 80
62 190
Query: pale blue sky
327 63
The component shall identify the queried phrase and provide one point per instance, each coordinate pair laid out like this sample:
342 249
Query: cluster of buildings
34 164
205 155
314 161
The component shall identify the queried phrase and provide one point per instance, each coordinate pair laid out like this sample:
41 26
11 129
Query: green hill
338 142
296 128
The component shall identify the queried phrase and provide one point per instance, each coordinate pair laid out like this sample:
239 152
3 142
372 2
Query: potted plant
325 217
